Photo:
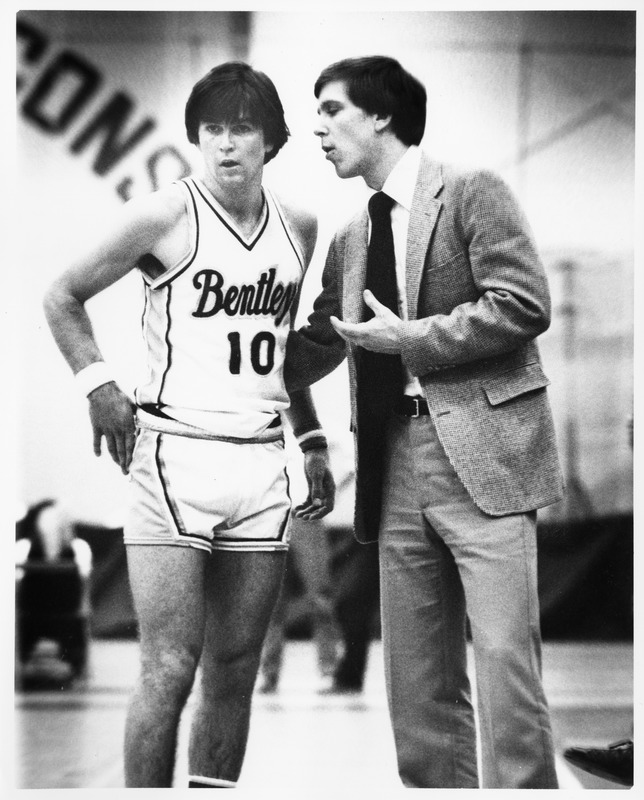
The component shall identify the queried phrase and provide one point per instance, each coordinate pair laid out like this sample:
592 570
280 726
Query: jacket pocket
514 383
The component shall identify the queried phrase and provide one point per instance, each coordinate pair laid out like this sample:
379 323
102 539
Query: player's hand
321 498
112 416
379 334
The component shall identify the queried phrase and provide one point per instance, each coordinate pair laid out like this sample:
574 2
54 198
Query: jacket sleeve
513 304
315 350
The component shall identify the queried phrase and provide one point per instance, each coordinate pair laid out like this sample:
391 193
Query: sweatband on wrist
93 376
312 440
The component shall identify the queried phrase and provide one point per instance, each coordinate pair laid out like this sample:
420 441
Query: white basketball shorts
208 494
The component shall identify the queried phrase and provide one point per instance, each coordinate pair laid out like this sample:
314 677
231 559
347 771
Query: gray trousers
442 560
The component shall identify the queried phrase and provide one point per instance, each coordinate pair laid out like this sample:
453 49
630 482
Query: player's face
347 133
233 152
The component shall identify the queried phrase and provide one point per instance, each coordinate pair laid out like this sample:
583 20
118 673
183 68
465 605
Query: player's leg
166 584
241 590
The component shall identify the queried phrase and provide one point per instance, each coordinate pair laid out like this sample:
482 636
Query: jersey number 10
262 353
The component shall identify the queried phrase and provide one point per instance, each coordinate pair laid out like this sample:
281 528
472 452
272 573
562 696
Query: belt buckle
416 412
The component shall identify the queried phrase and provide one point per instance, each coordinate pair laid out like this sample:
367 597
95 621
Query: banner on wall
69 99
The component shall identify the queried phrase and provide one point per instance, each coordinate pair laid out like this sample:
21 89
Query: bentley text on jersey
263 298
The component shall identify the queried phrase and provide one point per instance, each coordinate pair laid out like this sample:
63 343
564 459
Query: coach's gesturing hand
379 334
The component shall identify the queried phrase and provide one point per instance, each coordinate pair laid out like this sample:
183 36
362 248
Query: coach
439 294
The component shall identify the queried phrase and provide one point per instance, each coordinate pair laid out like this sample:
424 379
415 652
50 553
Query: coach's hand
321 498
112 416
380 334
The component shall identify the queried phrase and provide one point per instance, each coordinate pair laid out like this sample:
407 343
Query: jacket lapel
422 220
355 268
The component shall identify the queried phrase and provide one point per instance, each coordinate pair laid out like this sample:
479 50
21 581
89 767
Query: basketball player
207 530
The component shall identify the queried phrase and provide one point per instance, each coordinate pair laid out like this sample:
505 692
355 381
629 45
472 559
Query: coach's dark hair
233 90
380 85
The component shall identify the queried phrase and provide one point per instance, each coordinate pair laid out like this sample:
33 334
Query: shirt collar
401 181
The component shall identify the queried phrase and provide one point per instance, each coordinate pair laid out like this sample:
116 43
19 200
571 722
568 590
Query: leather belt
412 407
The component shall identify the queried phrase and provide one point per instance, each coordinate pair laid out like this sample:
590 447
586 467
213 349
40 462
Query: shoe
341 687
614 763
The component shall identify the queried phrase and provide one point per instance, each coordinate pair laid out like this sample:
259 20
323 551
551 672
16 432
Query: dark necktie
380 383
380 374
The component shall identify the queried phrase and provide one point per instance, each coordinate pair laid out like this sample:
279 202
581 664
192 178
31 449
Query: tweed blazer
477 298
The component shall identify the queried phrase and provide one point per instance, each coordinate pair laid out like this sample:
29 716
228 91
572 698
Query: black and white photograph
321 329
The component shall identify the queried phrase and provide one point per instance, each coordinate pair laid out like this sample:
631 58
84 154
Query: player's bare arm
150 225
301 414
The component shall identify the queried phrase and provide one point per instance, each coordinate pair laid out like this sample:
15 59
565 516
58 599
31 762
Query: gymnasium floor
302 743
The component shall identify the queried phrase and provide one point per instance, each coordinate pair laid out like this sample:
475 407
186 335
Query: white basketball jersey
216 324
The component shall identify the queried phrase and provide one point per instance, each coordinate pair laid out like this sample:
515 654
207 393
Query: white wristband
93 376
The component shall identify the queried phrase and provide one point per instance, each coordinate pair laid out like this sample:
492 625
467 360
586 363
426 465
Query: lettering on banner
63 91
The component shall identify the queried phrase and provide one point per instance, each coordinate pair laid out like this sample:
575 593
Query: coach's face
347 133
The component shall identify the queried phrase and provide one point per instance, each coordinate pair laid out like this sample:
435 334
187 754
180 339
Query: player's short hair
233 91
380 85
